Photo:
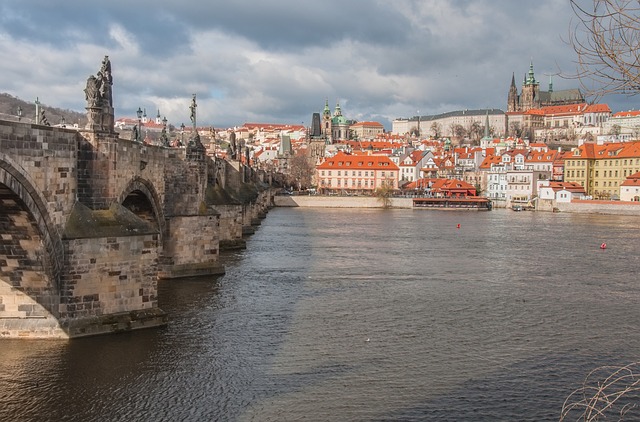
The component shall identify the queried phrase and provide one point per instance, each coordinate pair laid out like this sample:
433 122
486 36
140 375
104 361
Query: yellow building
601 169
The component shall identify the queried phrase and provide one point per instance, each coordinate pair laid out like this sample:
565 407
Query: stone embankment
577 206
319 201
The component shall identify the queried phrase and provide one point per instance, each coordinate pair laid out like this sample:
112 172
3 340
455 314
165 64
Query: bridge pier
191 247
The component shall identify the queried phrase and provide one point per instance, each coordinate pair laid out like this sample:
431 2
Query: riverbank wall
577 206
318 201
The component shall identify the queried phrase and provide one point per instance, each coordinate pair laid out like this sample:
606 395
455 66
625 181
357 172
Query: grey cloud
278 60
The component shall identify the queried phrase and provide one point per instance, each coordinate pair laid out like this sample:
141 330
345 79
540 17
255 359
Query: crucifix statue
192 107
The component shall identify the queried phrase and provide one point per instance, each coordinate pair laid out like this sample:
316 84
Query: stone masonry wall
107 166
46 158
191 247
109 275
230 222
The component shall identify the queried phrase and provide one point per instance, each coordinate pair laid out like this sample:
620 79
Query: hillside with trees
9 106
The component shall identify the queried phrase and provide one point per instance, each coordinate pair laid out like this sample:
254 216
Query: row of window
359 173
615 184
605 163
360 163
605 173
354 183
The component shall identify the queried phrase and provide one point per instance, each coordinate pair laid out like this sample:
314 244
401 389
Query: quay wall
311 201
577 206
592 207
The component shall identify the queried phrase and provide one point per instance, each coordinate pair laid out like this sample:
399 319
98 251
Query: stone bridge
89 222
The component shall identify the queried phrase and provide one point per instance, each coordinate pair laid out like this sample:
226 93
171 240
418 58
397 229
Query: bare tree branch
606 392
606 39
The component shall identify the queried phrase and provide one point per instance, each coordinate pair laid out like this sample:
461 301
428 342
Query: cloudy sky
277 61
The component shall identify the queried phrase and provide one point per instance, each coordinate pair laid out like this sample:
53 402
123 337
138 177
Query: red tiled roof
346 161
630 113
489 160
372 124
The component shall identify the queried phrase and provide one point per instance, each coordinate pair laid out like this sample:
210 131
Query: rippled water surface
334 314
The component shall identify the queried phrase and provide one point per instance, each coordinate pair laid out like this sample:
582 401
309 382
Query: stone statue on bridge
92 92
192 107
43 119
194 141
99 96
232 145
134 134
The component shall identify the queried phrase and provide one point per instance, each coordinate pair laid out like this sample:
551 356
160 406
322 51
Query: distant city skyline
276 62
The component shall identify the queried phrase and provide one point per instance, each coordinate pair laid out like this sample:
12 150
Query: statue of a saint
92 91
192 107
134 134
43 119
232 145
164 138
105 81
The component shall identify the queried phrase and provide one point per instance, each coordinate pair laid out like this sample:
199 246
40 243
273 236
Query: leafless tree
475 131
606 38
435 129
301 170
515 129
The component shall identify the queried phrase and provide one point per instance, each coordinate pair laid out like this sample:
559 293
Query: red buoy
458 225
603 246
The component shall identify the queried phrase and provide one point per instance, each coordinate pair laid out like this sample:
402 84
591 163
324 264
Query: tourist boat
479 203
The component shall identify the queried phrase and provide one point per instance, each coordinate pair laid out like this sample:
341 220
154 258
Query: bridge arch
141 198
31 250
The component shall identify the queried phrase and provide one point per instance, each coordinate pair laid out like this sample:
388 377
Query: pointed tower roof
338 110
326 111
530 78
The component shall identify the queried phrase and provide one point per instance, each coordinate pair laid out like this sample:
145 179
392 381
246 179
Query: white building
446 121
630 188
560 191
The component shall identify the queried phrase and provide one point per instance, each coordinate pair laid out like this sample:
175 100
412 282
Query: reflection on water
361 315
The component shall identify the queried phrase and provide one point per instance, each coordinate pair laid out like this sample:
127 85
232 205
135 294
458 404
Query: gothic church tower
513 101
530 97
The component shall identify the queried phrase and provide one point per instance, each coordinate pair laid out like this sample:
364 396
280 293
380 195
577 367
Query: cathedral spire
530 78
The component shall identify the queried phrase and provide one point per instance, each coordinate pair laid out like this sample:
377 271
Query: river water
361 315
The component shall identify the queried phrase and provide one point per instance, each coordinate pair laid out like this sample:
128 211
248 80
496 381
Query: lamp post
139 113
418 113
19 113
